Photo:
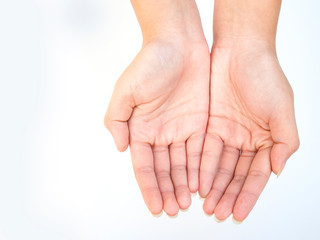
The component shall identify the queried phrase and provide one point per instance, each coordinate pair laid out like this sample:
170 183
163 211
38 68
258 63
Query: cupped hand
160 108
251 130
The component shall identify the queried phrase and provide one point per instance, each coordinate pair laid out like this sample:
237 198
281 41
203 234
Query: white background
60 174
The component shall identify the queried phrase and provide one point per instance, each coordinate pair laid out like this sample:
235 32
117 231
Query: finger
162 170
194 150
228 161
254 184
179 174
212 149
225 206
118 113
285 136
143 166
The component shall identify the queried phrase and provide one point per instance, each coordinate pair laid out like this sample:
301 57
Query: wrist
175 21
244 44
246 21
237 52
179 42
231 35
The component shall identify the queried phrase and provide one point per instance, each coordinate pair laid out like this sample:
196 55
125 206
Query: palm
250 96
168 94
171 97
244 99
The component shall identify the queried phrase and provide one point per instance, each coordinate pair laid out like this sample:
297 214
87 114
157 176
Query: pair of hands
218 124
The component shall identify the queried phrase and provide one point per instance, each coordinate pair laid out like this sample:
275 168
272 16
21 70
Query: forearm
175 20
246 19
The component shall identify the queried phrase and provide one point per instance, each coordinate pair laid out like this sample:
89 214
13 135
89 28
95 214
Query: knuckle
239 178
258 174
218 189
249 194
194 155
178 168
160 150
144 170
177 146
210 154
162 174
181 188
149 190
193 170
224 171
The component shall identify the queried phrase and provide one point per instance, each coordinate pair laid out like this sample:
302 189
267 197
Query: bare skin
251 124
160 106
251 130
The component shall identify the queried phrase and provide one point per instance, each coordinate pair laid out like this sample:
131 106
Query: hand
160 107
251 129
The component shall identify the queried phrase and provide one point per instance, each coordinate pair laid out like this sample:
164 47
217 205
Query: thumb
285 136
119 111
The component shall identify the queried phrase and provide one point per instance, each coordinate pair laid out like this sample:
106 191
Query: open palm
160 107
251 130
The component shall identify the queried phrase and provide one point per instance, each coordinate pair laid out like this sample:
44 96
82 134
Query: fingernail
236 221
280 171
278 175
208 215
157 215
174 216
218 220
184 210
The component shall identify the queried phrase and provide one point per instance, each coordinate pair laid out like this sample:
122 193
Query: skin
160 104
251 129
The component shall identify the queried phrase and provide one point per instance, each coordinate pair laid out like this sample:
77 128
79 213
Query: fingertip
156 211
238 217
122 148
155 207
120 133
242 208
185 210
235 221
193 186
218 220
207 208
222 212
183 198
279 156
184 202
202 196
157 215
171 207
208 215
204 190
193 190
193 194
193 179
173 216
154 202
